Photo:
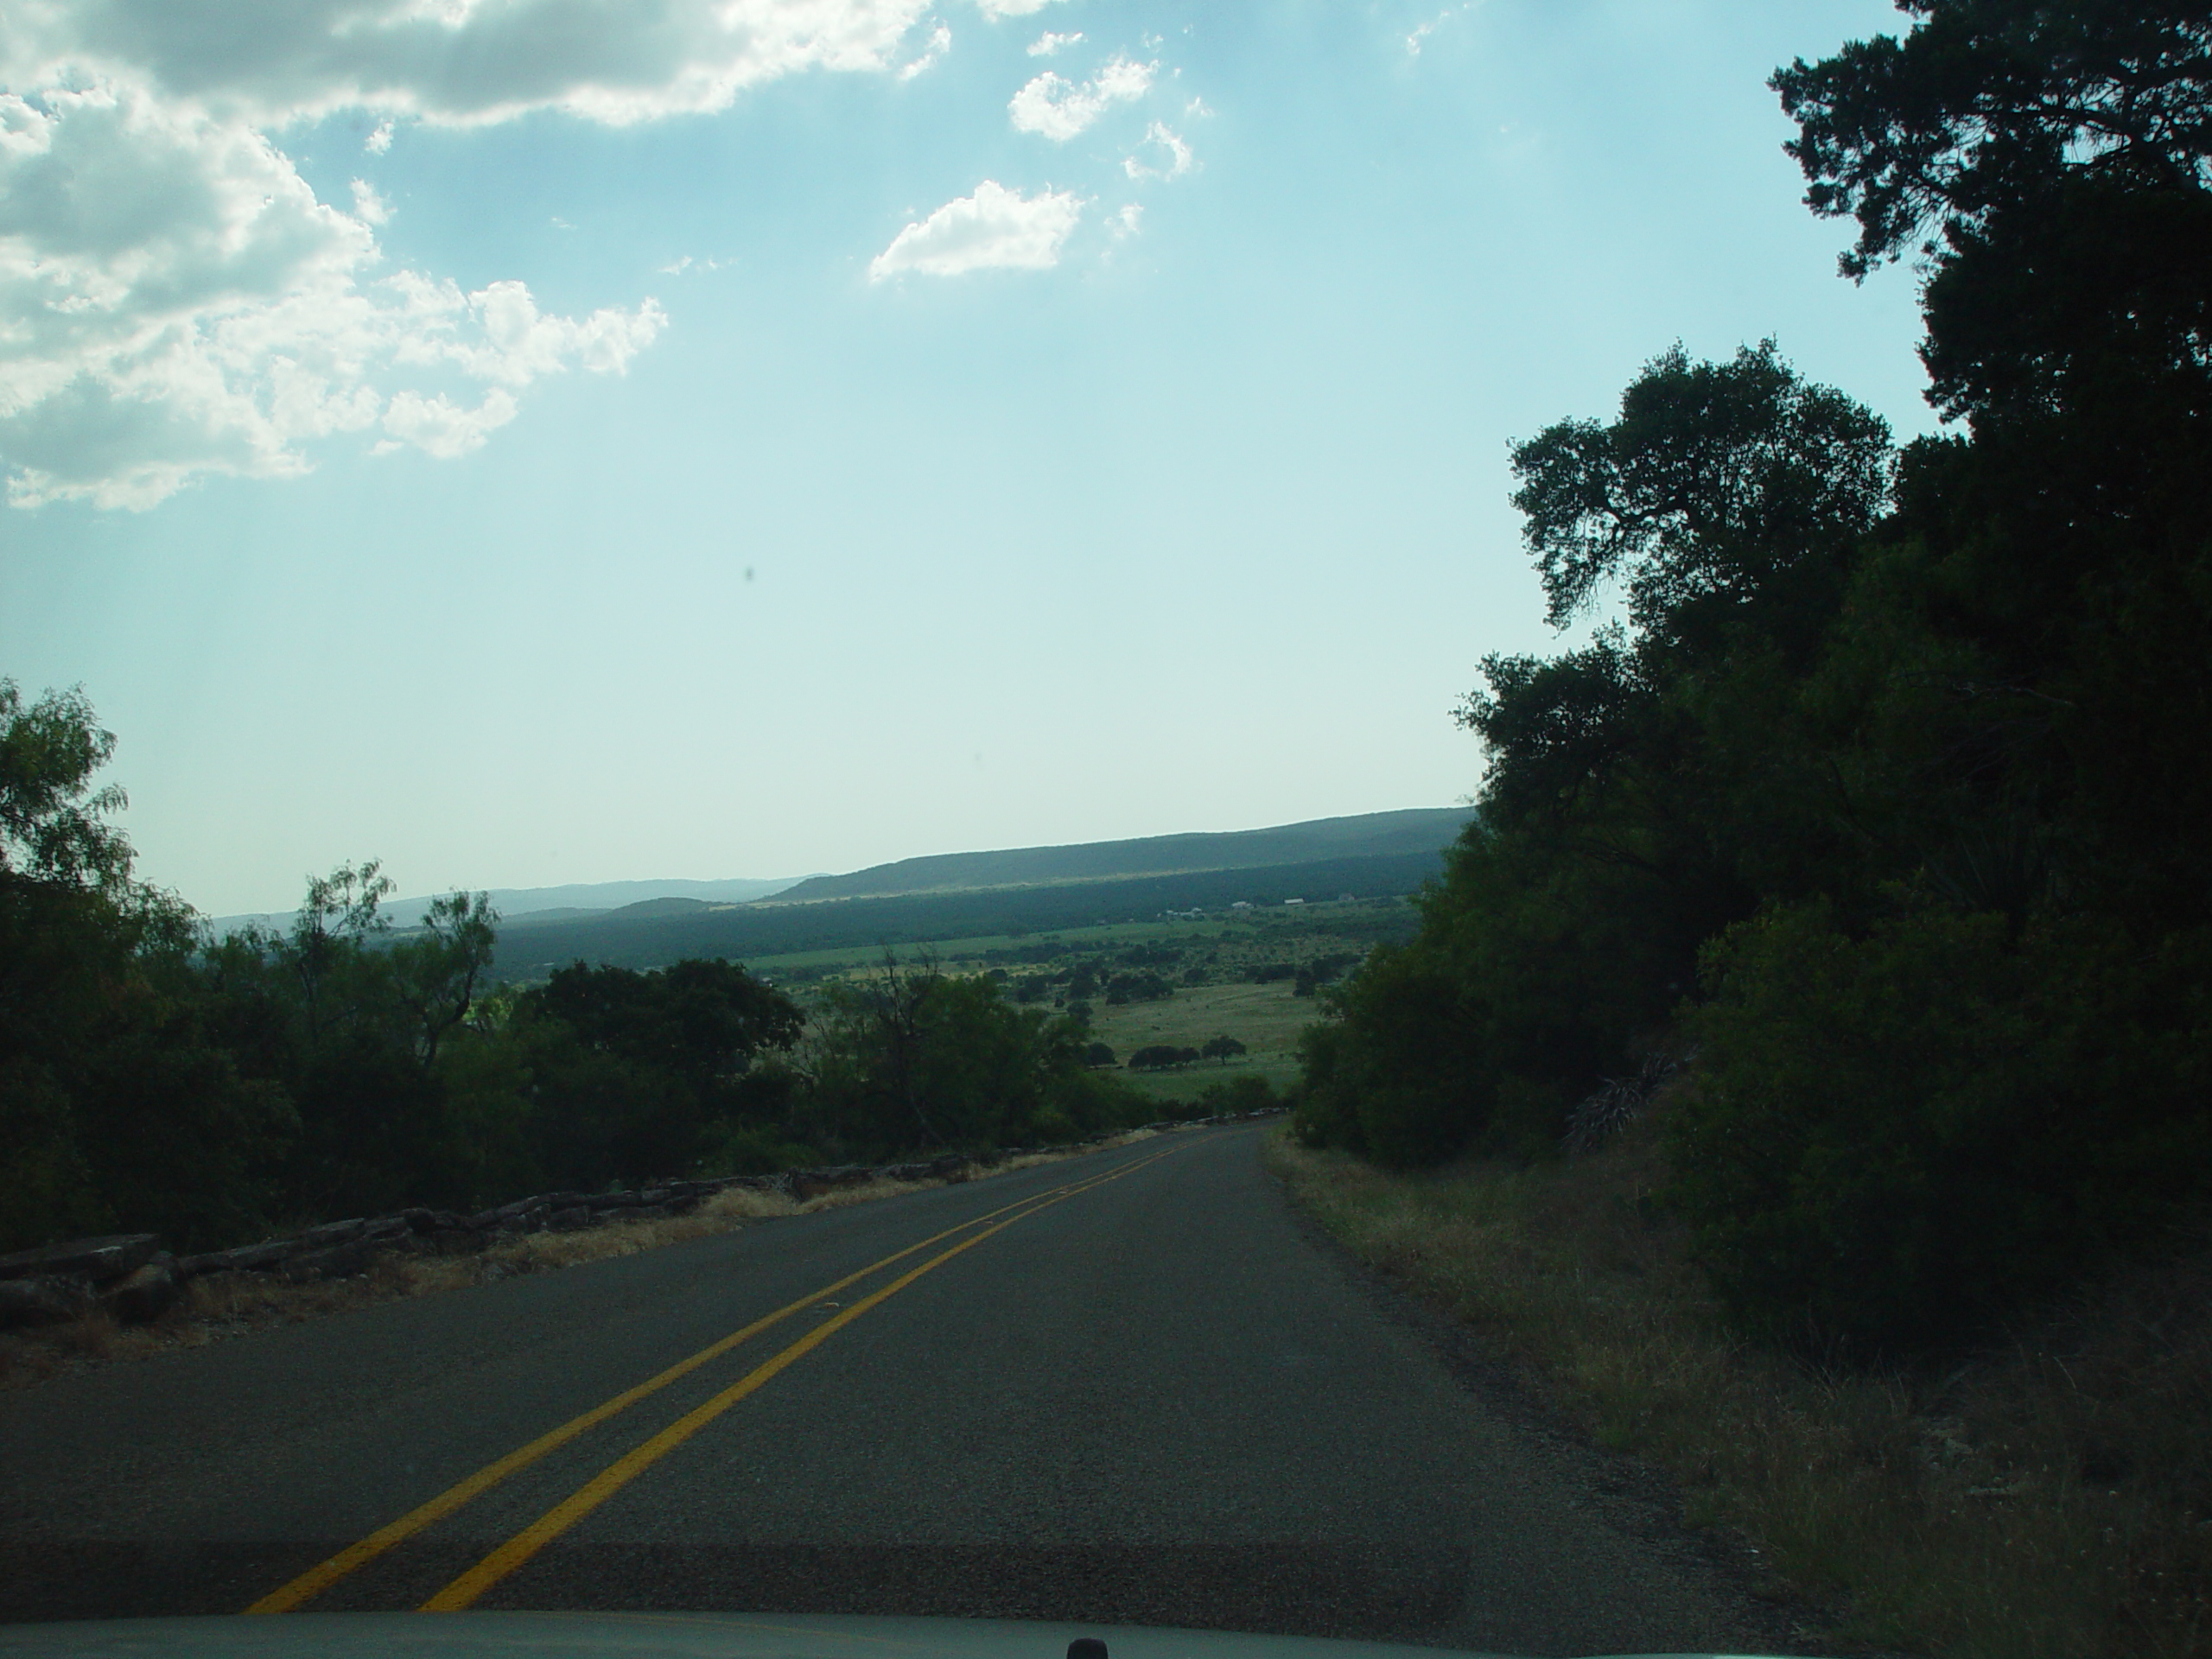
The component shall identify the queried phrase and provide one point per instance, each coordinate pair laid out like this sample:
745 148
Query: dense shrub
1142 987
1247 1093
1903 751
913 1059
1895 1135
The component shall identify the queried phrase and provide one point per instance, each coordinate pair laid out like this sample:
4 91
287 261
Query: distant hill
742 932
1374 835
525 905
1024 891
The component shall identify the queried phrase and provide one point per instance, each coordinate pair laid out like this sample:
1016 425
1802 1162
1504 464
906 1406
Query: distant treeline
528 951
155 1077
1886 802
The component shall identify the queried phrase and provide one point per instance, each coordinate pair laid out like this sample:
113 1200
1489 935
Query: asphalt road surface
1145 1393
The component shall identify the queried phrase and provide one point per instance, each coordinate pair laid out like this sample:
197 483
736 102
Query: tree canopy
1882 793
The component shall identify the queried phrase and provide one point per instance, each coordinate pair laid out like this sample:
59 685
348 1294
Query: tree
440 972
1989 104
953 1062
118 1104
1224 1049
1886 793
51 827
640 1075
2050 163
1715 485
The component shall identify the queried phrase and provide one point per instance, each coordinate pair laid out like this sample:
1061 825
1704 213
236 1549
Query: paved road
1154 1400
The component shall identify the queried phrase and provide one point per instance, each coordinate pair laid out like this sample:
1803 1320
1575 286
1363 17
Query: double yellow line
464 1591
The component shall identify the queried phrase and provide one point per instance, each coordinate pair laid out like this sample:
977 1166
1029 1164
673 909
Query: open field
1270 933
1185 1083
973 955
1266 1018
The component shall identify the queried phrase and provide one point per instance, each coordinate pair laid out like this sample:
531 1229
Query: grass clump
2047 1493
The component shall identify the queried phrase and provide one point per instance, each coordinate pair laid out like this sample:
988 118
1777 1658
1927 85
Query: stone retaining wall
134 1279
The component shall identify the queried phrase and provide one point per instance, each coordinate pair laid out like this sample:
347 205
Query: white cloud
1176 159
174 301
1059 109
940 43
440 428
1419 36
457 62
995 10
368 206
1125 223
996 228
1049 44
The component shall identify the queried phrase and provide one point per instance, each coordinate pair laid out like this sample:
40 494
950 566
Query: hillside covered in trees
1880 799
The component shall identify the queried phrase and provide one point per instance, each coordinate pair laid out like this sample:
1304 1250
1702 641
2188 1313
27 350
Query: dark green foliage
633 1076
702 1021
1224 1049
1896 1131
352 1025
50 814
1908 752
913 1059
1247 1093
1151 955
1137 987
118 1108
1158 1057
1721 486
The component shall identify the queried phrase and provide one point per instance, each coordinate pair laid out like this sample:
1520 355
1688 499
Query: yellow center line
463 1591
318 1578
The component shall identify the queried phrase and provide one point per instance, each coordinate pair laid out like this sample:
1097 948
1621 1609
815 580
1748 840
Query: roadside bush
755 1149
1247 1093
1897 1135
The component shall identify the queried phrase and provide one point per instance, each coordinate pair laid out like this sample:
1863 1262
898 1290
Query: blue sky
698 453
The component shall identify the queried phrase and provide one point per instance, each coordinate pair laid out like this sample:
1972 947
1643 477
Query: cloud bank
460 62
994 229
174 300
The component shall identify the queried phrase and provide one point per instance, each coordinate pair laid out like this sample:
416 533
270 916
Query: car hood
652 1636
